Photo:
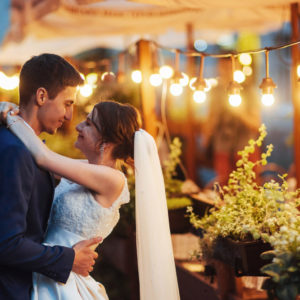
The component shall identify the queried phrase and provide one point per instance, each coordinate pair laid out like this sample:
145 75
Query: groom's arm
16 185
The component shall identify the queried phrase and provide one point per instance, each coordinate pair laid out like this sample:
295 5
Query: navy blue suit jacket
26 194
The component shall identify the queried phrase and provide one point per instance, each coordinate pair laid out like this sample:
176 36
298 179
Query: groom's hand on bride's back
84 256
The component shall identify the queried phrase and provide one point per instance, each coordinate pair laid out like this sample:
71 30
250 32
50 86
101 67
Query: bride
87 200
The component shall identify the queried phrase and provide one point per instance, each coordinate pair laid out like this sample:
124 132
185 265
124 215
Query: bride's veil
157 272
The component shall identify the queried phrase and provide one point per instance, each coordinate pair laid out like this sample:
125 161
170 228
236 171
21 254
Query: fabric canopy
97 22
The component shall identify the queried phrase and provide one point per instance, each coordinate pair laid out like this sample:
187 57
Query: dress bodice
76 211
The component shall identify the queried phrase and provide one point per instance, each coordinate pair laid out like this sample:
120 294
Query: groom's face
54 112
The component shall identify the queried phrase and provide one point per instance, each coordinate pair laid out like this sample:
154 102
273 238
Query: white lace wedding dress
76 216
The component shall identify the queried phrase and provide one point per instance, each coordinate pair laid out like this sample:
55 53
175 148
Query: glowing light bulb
247 70
9 83
136 76
91 78
235 100
12 82
298 70
155 79
184 81
239 76
86 90
245 59
108 76
166 72
267 99
199 96
176 89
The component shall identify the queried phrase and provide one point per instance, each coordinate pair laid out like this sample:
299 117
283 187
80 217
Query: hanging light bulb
298 72
199 96
155 79
108 76
239 76
86 90
136 76
176 87
91 78
166 72
235 100
247 70
234 88
245 59
200 85
267 99
267 85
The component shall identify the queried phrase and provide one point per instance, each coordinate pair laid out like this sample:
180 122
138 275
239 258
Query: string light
247 70
234 88
9 83
245 59
108 76
239 76
298 72
86 90
176 87
156 79
136 76
91 78
267 85
166 72
200 84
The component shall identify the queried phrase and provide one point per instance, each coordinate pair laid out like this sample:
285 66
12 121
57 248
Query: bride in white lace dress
87 200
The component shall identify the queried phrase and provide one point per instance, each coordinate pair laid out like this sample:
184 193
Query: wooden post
296 88
190 158
146 89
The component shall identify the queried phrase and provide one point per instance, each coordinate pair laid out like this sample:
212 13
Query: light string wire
203 54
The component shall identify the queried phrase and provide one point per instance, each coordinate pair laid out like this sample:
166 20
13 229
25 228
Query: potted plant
284 270
246 214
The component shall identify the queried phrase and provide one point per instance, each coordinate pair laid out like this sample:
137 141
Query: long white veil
157 272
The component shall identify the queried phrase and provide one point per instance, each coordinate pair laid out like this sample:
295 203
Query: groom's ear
41 96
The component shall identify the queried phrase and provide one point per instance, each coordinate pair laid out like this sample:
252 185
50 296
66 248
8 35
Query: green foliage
245 210
177 203
284 272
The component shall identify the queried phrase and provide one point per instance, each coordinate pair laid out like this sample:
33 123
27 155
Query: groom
48 86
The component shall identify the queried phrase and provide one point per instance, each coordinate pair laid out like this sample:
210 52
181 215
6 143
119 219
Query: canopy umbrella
69 18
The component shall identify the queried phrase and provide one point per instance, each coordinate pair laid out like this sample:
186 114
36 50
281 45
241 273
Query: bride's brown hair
117 124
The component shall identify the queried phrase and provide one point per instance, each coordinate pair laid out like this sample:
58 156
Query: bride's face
88 137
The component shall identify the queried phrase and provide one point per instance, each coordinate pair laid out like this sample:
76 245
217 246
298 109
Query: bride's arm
101 179
5 107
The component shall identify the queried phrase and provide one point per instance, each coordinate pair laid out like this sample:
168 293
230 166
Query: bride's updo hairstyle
117 124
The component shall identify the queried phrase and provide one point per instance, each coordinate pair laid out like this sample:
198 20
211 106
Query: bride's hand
5 107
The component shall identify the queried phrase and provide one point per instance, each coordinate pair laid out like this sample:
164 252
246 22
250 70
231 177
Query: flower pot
178 222
243 256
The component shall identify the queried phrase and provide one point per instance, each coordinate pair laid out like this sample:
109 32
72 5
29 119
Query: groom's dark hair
49 71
